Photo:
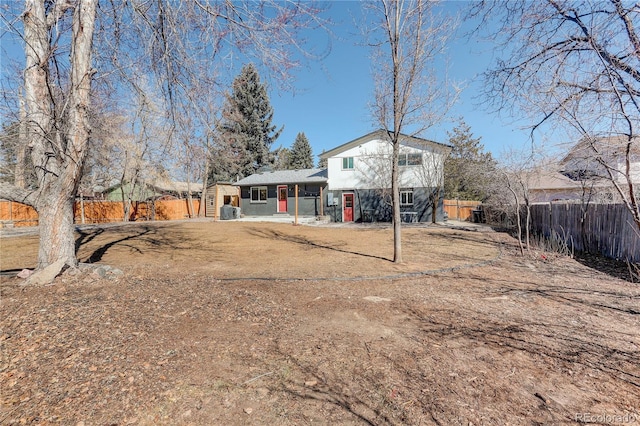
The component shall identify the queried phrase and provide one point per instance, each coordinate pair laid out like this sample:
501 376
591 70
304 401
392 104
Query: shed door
282 199
347 207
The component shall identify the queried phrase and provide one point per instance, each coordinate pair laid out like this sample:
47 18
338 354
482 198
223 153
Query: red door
282 199
347 207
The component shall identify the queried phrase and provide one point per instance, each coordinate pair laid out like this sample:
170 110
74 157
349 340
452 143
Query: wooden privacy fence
16 214
460 209
608 229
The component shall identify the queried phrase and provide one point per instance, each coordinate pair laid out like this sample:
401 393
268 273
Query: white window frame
405 194
403 159
259 190
347 161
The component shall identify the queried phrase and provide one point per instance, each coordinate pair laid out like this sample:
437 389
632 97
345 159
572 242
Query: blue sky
331 98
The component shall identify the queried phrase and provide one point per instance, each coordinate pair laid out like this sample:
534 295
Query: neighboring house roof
221 183
285 177
170 186
588 152
606 146
406 140
551 180
546 183
159 186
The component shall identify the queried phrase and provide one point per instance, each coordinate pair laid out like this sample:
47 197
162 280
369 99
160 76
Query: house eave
285 177
412 141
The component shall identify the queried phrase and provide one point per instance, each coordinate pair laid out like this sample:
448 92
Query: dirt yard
235 323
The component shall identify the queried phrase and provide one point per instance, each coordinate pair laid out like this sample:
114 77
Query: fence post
81 208
296 219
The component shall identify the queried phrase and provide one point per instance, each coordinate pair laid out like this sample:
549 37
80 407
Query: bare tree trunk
397 126
59 171
407 95
125 207
395 202
59 243
190 208
57 240
527 206
527 225
435 199
518 223
203 194
21 148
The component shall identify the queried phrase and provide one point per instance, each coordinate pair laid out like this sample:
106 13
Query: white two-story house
359 179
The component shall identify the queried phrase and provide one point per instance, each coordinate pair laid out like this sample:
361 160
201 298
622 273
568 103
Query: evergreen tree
282 158
322 162
246 126
8 144
468 169
228 158
10 158
301 156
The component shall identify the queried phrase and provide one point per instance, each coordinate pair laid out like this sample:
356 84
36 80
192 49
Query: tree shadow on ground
611 267
140 232
568 344
296 239
620 301
326 388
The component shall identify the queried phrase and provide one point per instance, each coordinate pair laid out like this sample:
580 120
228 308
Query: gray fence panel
607 229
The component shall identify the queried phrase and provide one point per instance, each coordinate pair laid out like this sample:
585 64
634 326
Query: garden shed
218 195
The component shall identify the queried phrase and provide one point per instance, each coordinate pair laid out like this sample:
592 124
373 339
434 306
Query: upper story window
410 160
347 163
258 194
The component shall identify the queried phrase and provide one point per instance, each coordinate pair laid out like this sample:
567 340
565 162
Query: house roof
406 140
550 180
221 183
607 148
165 186
285 177
172 186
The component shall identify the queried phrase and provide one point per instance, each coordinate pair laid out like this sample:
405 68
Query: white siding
634 172
372 168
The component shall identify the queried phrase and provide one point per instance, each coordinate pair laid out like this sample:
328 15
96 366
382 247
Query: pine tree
468 169
228 158
8 145
301 156
11 169
281 161
246 124
322 162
